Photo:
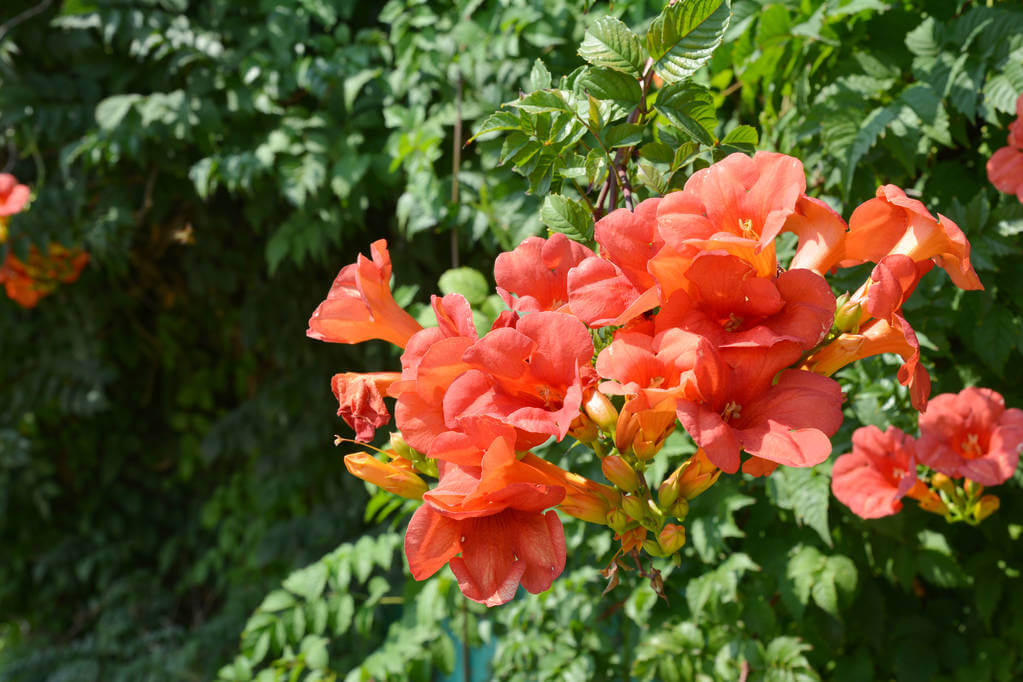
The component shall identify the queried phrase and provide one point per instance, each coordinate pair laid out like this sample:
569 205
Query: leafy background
171 506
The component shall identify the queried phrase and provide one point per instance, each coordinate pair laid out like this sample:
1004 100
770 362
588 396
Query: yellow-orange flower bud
928 499
599 408
395 476
618 471
583 429
646 449
671 538
986 506
943 483
651 547
584 499
668 492
848 314
696 475
635 507
680 509
618 520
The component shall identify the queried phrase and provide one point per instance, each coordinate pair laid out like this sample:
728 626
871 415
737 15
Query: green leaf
567 216
807 492
926 39
711 519
691 108
344 610
786 652
307 582
499 120
609 43
111 111
278 600
202 176
542 101
940 569
539 76
624 135
837 576
684 36
800 572
809 573
648 176
466 281
720 585
314 650
864 139
994 337
353 84
607 84
740 139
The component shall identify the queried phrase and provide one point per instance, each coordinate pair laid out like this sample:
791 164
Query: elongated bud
986 506
943 483
618 521
584 499
618 471
848 314
395 477
634 506
928 499
972 488
671 538
599 408
699 475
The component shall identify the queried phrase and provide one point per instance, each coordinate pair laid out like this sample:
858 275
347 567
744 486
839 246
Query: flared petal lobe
972 434
537 273
879 471
892 223
13 196
360 307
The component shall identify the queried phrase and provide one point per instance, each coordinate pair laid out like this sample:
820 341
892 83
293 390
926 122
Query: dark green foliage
165 461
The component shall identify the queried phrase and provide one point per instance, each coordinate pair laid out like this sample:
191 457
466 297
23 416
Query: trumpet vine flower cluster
683 318
25 282
1005 167
969 436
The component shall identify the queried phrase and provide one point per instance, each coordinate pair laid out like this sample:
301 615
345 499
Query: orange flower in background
880 471
27 282
13 196
360 307
1005 167
971 434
